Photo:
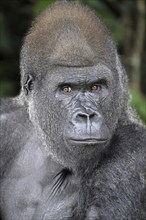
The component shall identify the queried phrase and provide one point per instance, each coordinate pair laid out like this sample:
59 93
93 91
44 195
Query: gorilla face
72 109
75 93
79 95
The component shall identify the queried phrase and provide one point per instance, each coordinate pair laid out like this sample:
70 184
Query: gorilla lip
89 141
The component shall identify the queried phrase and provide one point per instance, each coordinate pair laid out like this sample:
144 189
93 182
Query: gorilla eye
28 86
96 87
66 89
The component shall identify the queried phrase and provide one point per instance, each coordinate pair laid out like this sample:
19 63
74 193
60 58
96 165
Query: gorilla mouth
89 141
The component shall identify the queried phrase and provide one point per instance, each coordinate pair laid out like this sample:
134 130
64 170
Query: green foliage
6 88
41 5
138 101
5 41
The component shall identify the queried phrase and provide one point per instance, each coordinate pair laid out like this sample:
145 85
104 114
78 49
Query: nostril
91 115
84 116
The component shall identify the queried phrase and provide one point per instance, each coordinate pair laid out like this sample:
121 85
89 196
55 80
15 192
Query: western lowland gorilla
71 147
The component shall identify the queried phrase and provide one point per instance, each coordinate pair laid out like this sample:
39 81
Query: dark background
125 18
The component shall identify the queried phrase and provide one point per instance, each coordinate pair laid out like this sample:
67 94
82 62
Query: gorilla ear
28 84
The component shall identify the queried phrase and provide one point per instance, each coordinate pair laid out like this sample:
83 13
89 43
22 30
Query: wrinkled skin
72 148
81 121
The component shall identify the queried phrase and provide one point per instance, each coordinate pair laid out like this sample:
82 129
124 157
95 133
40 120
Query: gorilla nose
84 117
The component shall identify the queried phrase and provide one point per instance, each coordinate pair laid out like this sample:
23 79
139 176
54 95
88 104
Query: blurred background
125 19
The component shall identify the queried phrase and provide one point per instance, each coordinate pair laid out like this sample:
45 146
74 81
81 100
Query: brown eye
66 89
95 87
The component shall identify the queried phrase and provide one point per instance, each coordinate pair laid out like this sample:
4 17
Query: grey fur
46 175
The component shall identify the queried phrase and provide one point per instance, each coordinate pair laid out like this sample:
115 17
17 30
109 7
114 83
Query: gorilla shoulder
15 130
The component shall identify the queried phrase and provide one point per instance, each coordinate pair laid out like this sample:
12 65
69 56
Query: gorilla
72 148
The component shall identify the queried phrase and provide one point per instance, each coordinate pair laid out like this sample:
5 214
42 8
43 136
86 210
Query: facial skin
78 99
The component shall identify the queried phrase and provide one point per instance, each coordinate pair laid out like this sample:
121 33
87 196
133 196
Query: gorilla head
72 83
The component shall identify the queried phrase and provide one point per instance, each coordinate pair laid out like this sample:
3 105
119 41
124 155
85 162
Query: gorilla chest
40 190
28 199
